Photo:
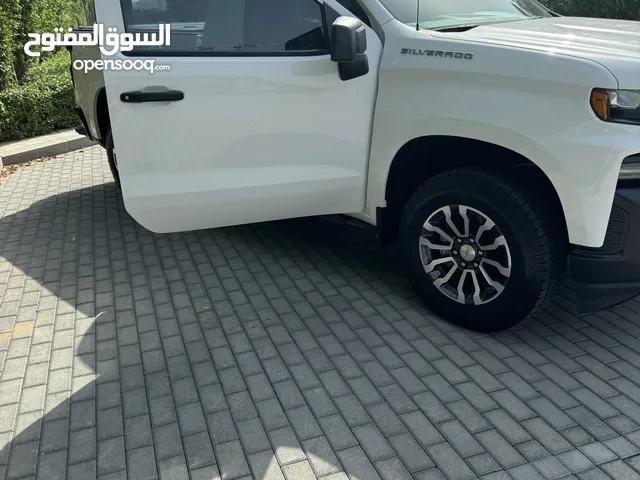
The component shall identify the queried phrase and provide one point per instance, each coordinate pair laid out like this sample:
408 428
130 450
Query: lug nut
463 264
459 240
471 240
479 252
455 252
475 265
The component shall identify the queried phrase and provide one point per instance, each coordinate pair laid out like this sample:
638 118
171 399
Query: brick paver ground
282 350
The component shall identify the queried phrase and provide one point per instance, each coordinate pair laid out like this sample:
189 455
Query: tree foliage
18 18
10 11
42 105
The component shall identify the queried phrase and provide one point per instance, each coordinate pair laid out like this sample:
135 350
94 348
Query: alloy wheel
465 255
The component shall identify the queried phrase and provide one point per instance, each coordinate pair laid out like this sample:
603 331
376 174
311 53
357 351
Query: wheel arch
424 157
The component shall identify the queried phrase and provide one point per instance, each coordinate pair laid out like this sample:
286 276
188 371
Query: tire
533 258
111 157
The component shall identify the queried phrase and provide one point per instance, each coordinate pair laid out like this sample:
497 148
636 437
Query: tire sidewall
523 289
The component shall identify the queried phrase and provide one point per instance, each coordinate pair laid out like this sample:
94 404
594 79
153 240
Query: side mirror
348 47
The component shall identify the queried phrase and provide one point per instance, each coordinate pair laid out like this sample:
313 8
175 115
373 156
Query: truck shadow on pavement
114 340
135 354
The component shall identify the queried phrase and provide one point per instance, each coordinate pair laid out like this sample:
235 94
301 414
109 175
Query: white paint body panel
514 94
255 139
258 139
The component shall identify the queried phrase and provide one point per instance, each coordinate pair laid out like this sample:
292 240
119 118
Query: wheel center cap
467 253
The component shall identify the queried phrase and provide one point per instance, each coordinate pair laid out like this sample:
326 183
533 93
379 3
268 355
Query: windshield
435 14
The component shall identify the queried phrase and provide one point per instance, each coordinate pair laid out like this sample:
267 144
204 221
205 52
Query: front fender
530 102
583 163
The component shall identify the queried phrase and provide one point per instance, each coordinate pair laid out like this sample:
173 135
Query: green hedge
42 105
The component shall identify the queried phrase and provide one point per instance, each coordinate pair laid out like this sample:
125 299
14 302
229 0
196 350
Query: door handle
140 96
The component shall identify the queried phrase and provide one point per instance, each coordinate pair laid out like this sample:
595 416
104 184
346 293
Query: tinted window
231 26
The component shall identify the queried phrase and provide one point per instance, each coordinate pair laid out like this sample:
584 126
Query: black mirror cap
348 39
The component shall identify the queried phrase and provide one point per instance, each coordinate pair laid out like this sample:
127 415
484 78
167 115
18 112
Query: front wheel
477 252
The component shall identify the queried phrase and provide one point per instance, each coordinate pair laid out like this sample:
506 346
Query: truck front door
259 125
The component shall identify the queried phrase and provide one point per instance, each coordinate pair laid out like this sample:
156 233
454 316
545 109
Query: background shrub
56 66
43 104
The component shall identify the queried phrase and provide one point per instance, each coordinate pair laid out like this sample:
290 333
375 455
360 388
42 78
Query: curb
46 146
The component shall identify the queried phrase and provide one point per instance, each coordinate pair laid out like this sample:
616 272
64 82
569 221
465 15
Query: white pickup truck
498 142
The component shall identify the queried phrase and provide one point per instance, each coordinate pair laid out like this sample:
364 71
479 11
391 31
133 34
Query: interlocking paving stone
291 350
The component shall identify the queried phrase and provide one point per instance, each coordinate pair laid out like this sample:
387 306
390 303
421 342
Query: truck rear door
262 128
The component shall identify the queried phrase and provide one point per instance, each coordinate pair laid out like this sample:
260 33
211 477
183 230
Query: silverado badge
436 53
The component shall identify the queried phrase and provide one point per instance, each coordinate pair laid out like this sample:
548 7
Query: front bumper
607 276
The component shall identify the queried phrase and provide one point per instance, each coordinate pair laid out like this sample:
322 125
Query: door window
230 27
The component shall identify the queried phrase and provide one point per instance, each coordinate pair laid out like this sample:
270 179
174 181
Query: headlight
618 106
